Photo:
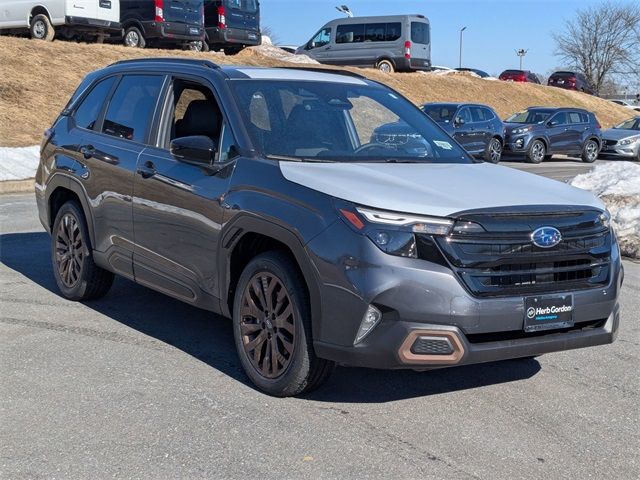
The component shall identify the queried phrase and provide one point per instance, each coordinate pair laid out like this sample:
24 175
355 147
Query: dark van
155 22
232 25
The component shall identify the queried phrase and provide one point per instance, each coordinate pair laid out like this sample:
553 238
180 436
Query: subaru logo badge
546 237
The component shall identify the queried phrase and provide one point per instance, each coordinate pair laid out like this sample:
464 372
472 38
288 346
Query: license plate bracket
548 312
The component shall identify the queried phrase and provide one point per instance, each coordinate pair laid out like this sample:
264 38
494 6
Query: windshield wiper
287 158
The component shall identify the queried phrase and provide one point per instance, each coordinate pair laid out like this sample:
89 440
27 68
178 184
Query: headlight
521 130
605 219
416 224
394 233
629 140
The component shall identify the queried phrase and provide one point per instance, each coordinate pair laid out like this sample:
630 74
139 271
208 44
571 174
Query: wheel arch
132 22
61 189
388 59
249 236
38 10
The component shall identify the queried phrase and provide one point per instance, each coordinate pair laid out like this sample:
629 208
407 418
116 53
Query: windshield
530 116
250 6
440 113
341 122
631 124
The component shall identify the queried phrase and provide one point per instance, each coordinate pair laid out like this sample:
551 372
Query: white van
45 19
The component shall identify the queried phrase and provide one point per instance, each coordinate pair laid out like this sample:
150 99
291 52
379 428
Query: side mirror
195 149
458 121
551 124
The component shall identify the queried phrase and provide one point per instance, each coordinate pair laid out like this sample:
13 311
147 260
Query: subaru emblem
546 237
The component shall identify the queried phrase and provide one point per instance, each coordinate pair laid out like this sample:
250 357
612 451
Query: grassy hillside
37 79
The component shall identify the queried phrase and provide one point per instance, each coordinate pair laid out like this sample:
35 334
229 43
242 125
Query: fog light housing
370 319
520 143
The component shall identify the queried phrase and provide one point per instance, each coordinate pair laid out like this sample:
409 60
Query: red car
570 81
519 76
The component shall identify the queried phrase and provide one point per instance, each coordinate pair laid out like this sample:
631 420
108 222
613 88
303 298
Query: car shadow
209 338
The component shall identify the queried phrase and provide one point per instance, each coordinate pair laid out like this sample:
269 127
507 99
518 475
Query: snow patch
279 54
618 186
18 163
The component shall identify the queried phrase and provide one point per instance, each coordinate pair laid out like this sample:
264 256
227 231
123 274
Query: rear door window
350 33
477 114
420 32
86 114
131 107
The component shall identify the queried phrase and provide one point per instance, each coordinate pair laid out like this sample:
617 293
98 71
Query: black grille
431 346
504 261
610 143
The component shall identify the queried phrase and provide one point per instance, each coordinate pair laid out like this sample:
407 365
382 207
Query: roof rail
187 61
348 73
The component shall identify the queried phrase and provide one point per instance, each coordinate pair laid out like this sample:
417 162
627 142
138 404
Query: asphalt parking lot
138 385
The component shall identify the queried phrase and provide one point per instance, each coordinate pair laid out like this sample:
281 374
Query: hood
512 126
434 189
619 133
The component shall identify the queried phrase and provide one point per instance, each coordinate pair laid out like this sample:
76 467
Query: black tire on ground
537 151
271 311
493 151
548 157
41 28
74 270
232 51
385 66
133 38
590 151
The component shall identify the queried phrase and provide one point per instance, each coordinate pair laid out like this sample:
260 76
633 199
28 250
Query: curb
17 186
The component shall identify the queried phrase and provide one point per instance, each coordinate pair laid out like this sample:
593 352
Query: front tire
590 151
385 66
272 328
75 272
537 151
493 151
41 28
133 38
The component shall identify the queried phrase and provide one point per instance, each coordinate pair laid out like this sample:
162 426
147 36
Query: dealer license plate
548 312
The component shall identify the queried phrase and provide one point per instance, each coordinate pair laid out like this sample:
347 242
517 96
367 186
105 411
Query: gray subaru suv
265 196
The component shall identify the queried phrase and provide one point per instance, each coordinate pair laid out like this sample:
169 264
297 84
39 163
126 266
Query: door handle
328 48
87 151
147 170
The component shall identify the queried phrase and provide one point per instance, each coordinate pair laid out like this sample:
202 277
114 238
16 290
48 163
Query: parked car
476 127
288 48
626 105
540 132
441 68
162 22
232 25
46 19
263 195
570 81
388 43
623 140
480 73
519 76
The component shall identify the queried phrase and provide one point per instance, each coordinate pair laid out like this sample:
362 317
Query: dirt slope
37 78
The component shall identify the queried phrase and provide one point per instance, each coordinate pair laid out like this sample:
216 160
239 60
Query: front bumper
419 298
517 143
630 151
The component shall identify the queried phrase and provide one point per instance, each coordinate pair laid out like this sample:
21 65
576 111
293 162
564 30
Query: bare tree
269 32
602 41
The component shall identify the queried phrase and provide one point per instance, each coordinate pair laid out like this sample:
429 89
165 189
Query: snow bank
279 54
618 185
18 163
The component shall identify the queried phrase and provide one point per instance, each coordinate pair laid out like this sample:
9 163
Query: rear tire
41 28
493 151
75 272
590 151
232 51
133 38
385 66
271 313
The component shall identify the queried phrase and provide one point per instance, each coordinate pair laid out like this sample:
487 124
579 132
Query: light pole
461 30
521 53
